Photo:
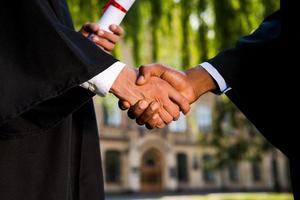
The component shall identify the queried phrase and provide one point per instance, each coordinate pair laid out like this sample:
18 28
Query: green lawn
235 196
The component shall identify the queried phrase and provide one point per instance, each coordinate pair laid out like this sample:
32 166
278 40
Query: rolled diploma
113 15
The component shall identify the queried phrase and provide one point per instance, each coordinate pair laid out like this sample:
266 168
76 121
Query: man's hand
102 38
179 80
163 101
191 84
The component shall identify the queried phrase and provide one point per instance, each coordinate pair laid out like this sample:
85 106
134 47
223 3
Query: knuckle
121 106
137 112
155 118
188 108
149 126
111 46
130 114
161 125
153 107
168 121
140 122
176 117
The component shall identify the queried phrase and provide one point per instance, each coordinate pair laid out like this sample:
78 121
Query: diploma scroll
114 13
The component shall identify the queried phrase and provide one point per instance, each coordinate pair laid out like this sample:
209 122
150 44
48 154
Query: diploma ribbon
115 4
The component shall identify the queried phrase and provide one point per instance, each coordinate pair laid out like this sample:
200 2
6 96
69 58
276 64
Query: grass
235 196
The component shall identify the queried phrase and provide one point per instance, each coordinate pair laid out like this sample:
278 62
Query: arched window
113 166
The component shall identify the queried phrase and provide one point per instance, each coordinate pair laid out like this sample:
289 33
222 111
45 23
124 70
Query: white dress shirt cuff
217 76
101 83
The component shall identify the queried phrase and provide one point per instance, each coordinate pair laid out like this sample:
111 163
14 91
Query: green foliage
181 33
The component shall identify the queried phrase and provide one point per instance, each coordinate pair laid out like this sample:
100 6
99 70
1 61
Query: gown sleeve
42 58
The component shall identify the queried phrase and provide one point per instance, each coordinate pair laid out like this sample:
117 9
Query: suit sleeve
251 56
255 70
41 58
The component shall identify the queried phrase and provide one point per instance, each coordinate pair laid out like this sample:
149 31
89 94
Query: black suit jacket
49 145
262 72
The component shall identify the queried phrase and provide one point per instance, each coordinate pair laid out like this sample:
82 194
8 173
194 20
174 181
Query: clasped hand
189 85
153 102
170 92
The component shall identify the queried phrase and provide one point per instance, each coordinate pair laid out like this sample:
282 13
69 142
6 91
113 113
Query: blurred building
138 160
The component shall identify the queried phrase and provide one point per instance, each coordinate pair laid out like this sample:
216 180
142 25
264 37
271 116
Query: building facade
171 160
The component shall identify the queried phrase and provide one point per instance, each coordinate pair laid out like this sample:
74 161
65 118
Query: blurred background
213 152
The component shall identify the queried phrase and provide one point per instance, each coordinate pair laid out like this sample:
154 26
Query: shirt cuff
101 83
217 76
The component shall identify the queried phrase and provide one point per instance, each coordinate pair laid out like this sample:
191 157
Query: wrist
201 81
115 88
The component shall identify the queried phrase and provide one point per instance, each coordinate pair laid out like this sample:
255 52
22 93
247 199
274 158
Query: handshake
154 94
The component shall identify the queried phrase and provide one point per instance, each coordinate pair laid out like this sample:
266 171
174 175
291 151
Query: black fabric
49 145
41 55
262 71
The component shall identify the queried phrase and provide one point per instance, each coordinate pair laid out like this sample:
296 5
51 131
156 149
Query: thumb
146 71
144 75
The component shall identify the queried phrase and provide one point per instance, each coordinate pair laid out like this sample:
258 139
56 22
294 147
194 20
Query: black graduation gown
49 147
262 72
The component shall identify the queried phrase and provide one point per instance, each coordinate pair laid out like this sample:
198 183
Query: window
256 170
208 173
233 172
182 168
111 113
179 125
204 118
112 166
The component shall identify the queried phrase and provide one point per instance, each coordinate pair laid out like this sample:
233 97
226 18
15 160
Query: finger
84 33
165 116
160 123
172 109
146 71
152 123
147 115
109 36
137 109
149 127
91 27
107 45
180 100
124 105
118 30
